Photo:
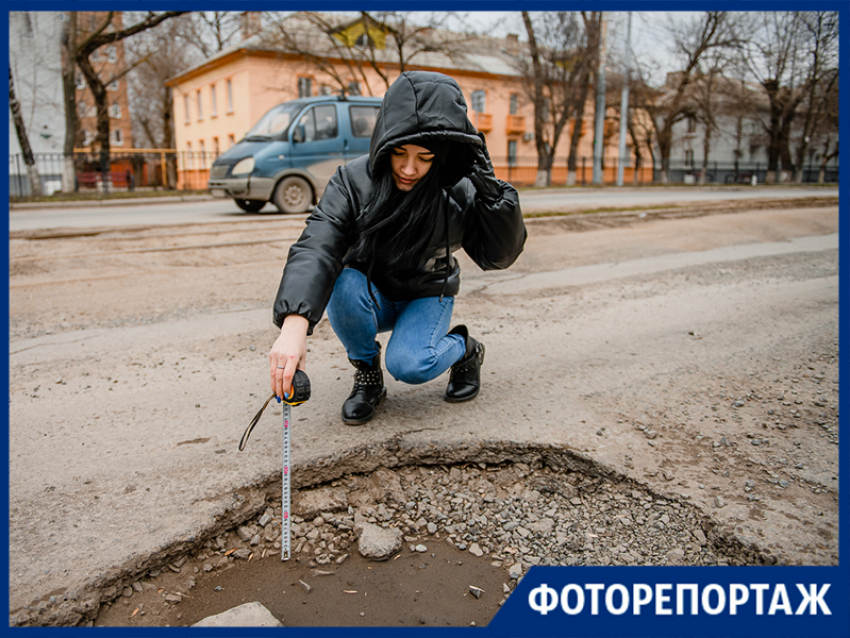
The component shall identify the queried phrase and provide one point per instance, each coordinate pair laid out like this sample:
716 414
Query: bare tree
774 59
311 36
641 128
693 39
708 98
827 128
210 32
23 138
740 102
561 54
101 36
386 40
69 91
155 56
821 42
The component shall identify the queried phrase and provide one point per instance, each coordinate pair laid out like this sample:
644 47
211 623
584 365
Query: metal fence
522 171
128 170
147 169
680 172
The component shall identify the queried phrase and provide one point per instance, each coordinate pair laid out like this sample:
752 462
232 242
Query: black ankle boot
367 393
465 376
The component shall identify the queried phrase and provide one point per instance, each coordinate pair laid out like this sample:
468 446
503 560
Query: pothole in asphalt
468 533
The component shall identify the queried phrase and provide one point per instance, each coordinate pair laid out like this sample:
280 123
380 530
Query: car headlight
243 167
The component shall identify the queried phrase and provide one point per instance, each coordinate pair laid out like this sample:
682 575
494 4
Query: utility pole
598 142
624 105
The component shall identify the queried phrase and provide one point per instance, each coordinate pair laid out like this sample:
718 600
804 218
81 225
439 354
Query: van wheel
250 205
293 195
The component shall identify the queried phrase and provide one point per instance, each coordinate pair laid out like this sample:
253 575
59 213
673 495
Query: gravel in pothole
502 518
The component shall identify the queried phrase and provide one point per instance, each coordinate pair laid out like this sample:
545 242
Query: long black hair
395 225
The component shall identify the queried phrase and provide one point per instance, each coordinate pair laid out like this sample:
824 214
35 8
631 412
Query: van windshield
275 121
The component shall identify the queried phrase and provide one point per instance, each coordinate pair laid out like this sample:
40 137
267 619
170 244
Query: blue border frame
517 618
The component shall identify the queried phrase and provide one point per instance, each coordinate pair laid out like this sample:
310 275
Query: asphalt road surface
196 210
696 356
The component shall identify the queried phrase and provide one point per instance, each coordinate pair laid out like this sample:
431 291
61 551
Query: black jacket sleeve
315 260
494 231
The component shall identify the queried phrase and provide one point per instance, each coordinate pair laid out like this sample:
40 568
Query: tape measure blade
285 483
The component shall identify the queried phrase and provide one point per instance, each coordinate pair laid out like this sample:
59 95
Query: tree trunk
69 89
575 135
544 170
168 140
23 139
706 149
98 90
543 173
664 146
96 85
575 138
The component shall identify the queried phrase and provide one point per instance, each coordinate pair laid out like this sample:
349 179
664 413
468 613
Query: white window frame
305 86
229 96
188 119
117 137
479 98
112 54
213 105
114 85
512 152
200 107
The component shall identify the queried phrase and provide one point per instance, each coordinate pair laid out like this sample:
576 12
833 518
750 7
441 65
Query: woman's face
410 163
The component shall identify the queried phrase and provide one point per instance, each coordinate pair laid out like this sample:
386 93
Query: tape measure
300 394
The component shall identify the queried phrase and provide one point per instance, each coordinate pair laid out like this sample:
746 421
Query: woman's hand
482 176
288 354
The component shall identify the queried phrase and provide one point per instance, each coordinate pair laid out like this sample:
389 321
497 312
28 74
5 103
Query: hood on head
422 106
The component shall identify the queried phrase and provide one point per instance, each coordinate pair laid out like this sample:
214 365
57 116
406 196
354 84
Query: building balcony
515 125
484 122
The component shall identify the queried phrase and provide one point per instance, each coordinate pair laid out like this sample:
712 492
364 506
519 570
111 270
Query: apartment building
35 63
35 58
216 102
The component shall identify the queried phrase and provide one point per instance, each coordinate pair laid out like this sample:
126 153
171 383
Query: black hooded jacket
418 107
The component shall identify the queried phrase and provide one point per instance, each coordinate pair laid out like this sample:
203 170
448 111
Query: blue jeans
418 350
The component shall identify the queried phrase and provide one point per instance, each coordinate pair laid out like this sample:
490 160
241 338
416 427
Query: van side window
326 128
363 120
308 121
319 123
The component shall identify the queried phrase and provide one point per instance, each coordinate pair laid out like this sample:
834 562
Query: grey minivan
291 153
